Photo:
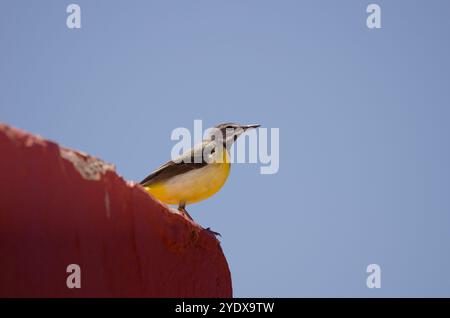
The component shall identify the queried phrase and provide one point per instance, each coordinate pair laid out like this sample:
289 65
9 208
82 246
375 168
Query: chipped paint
90 168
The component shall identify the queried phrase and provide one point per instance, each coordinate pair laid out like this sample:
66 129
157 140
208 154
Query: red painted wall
61 207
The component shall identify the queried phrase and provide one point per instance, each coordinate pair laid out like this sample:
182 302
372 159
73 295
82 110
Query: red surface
61 207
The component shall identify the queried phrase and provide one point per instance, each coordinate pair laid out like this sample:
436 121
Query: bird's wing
182 164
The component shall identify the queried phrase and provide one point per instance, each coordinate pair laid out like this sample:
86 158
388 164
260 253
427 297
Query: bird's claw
212 232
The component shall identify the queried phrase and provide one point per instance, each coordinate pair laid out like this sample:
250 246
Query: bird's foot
212 232
182 209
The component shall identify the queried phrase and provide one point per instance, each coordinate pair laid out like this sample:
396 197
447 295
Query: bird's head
229 132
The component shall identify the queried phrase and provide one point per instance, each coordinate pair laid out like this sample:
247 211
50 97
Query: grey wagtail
198 173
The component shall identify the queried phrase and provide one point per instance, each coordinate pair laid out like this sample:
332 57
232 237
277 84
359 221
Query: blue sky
363 116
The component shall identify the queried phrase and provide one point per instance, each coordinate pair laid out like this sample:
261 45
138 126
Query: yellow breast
193 186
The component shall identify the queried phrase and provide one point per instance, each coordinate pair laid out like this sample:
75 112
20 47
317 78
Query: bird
198 173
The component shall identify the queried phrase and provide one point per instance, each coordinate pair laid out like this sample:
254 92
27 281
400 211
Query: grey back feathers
184 163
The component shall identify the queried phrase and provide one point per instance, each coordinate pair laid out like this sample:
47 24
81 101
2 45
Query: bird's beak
245 127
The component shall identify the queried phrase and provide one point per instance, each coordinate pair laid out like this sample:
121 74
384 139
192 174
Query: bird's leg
182 209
